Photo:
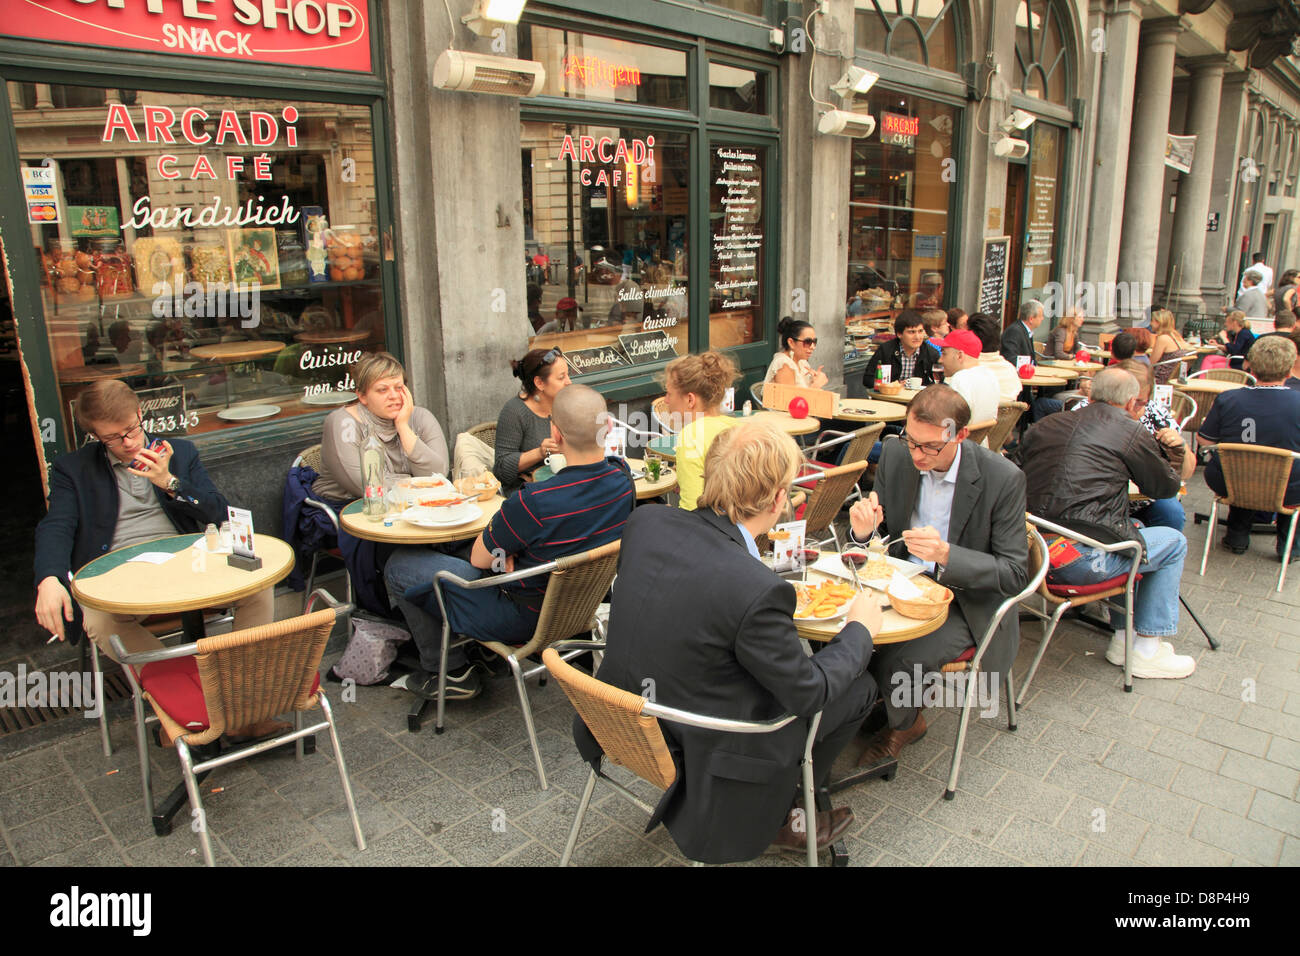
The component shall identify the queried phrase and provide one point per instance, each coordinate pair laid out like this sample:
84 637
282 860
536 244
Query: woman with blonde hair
411 437
696 385
1168 345
1063 343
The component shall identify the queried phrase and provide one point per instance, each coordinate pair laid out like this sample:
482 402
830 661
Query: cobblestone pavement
1202 771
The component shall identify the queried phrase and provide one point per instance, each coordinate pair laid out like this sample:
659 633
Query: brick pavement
1202 771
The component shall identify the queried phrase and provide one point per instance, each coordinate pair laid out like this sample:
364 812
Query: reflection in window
753 7
586 67
738 90
225 271
607 252
921 31
1040 51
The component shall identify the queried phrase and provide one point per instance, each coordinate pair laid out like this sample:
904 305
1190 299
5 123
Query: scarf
385 429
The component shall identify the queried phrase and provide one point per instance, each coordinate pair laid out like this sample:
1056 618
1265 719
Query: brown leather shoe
889 743
830 827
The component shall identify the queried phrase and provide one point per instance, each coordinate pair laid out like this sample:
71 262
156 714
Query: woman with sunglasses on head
523 437
792 365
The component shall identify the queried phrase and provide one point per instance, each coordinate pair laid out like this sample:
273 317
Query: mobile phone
155 445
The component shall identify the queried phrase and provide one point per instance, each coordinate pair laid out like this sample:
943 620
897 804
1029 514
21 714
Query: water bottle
372 477
212 538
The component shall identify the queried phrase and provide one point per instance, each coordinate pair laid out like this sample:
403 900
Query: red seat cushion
965 655
174 686
1082 590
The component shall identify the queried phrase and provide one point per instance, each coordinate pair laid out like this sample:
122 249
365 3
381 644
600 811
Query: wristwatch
173 485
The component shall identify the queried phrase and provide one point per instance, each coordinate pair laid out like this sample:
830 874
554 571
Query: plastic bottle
227 536
212 538
372 477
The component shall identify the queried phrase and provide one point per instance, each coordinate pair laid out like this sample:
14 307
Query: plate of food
448 514
329 398
825 601
874 569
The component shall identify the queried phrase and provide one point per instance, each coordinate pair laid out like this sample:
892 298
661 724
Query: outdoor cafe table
1066 371
1049 379
354 521
868 411
666 446
902 397
645 488
894 628
1207 385
185 583
1077 367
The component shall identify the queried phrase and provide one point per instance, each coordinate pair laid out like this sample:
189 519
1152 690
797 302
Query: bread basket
934 598
485 484
889 388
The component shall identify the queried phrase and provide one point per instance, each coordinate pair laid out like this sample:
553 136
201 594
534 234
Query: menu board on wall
736 215
993 275
1042 220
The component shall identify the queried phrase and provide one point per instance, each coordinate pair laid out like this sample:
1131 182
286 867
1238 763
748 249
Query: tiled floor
1202 771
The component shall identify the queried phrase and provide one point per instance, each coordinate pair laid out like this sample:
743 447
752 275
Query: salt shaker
227 536
212 538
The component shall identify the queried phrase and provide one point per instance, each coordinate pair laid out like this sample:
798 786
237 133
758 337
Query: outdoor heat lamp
855 80
487 15
845 123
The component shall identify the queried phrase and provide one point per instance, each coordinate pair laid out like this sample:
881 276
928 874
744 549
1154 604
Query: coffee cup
913 383
556 463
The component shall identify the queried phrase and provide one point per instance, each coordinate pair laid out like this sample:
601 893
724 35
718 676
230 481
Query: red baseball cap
566 304
963 340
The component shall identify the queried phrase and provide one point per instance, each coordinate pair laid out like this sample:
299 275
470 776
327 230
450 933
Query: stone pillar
15 96
1229 148
44 99
815 192
1144 187
1187 243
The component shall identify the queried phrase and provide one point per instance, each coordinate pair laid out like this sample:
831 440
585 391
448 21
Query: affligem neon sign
591 70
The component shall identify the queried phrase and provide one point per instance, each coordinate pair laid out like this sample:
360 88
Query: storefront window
736 89
737 253
753 7
219 254
921 31
1040 51
899 202
581 66
608 249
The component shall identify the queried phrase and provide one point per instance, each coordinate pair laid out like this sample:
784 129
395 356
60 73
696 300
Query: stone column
1187 244
44 98
1144 187
16 96
1229 148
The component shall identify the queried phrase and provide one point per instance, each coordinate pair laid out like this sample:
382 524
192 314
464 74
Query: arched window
922 31
1040 51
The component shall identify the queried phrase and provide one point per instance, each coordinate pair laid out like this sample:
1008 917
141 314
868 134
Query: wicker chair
661 417
969 661
827 497
1008 415
756 393
1183 409
625 726
1224 375
486 433
1203 400
857 447
200 691
980 430
577 585
310 458
1066 596
1256 477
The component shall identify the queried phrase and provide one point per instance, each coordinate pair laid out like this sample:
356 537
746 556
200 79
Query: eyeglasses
929 449
806 341
110 440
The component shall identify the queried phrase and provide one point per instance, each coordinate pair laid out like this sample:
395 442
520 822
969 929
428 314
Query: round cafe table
230 353
902 397
645 488
354 521
189 580
869 411
894 628
1069 364
1044 378
1207 385
333 336
1065 371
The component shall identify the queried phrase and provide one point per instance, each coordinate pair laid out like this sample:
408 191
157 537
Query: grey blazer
989 554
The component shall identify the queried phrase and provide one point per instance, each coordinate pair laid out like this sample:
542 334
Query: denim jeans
1155 603
486 614
1163 513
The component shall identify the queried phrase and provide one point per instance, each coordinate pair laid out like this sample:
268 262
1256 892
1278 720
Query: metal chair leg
98 678
1011 702
1049 628
951 790
297 744
1209 534
1128 641
142 747
577 820
343 772
442 676
809 796
528 717
196 801
311 581
1286 553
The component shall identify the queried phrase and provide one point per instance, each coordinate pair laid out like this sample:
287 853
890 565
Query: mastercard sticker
42 212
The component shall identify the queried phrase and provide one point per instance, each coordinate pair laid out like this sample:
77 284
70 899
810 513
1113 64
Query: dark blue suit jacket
83 506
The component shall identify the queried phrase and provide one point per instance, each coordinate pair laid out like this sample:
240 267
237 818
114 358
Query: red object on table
1081 356
798 407
1025 371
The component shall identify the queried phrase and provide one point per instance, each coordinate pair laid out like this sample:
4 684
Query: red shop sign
324 33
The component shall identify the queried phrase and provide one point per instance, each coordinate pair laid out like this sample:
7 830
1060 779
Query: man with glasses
113 493
959 510
1078 468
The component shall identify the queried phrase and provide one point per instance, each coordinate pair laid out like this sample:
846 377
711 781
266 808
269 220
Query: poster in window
253 257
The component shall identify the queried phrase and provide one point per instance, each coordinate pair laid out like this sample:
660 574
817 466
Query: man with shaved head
582 507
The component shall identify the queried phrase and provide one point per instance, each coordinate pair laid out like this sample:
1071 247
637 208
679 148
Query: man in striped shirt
583 507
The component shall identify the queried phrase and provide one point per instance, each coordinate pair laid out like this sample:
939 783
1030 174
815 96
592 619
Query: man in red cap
566 317
960 357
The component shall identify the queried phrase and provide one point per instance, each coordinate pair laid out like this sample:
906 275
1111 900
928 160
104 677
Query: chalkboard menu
993 276
596 359
736 221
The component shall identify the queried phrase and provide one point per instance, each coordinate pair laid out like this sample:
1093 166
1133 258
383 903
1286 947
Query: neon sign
591 70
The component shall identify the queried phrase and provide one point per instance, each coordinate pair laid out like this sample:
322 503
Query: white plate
457 514
329 398
839 615
248 413
832 565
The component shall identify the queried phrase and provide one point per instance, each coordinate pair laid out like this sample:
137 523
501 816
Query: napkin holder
244 563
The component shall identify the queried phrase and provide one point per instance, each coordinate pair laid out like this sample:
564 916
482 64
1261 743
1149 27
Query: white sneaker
1115 652
1165 663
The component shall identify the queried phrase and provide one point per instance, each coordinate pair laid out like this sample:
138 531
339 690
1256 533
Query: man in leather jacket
1077 469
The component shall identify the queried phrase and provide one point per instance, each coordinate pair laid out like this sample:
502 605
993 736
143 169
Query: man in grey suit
959 509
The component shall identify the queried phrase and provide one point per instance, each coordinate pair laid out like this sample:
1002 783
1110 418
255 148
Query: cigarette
53 638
